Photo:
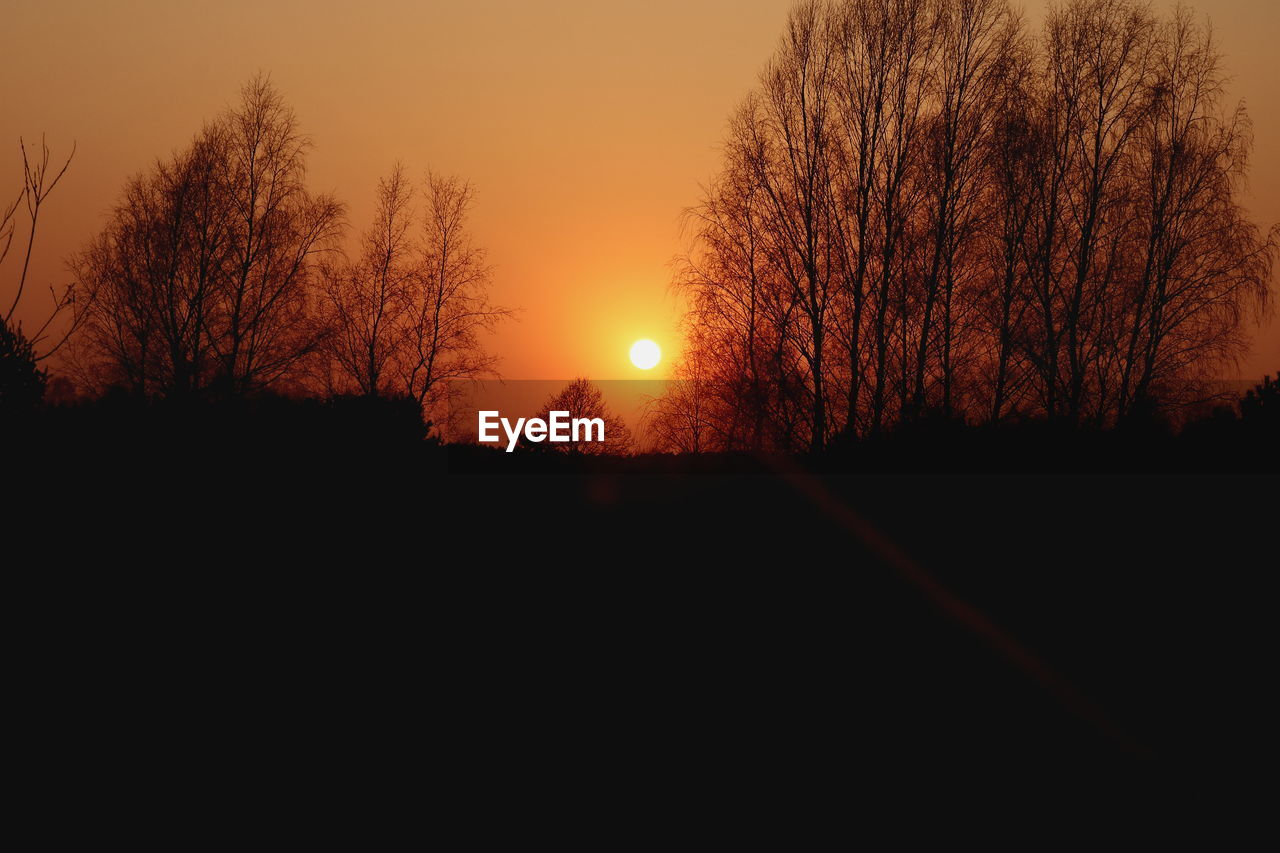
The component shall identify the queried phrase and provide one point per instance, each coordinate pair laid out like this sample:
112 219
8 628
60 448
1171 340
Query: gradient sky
586 126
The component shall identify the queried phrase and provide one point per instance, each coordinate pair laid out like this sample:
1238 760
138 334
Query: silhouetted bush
124 429
1260 408
21 381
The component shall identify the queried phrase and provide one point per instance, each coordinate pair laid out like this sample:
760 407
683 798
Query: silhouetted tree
1261 405
688 417
276 227
367 300
581 398
21 381
737 305
921 209
39 178
203 275
784 134
1003 304
1202 262
976 48
407 315
450 308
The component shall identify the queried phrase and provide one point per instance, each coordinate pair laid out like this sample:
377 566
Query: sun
645 354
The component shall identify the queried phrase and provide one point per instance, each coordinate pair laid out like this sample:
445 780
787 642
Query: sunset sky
587 127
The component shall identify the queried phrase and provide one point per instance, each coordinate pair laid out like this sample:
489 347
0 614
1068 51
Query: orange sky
586 125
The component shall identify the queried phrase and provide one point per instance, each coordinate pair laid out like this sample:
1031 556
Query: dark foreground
686 634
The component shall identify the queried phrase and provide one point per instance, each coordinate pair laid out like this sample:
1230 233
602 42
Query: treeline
220 274
926 213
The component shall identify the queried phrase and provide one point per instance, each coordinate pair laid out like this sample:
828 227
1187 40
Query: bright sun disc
645 354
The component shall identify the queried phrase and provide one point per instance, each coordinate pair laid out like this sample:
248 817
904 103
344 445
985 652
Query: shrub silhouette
22 383
1260 407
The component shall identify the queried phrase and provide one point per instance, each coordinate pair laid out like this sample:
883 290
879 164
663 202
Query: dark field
708 623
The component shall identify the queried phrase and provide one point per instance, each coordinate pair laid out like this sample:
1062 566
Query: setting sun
645 354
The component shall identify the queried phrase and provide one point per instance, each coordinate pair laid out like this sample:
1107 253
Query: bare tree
787 138
202 276
1101 51
737 303
907 29
407 316
582 398
277 229
450 307
862 94
989 226
39 179
1203 263
1004 303
367 300
973 38
692 416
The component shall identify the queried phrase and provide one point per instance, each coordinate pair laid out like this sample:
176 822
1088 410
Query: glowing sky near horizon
586 126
